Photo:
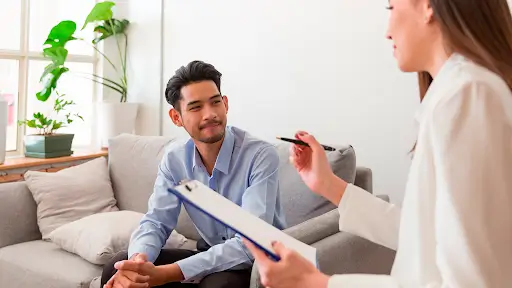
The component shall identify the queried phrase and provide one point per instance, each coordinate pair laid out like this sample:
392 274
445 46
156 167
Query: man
227 159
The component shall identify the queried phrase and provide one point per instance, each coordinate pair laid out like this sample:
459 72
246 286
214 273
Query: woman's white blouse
455 225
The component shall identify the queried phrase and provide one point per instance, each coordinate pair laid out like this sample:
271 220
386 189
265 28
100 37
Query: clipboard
229 214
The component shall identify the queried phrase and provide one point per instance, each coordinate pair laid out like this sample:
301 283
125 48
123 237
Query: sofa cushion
44 265
299 202
70 194
99 237
18 220
133 165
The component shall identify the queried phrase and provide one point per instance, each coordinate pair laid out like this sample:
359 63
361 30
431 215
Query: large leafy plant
54 49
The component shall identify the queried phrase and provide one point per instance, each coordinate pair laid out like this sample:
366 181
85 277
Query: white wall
144 59
323 66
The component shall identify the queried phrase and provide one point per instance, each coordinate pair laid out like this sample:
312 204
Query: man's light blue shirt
246 172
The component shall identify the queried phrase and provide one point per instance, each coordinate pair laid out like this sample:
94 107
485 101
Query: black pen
299 142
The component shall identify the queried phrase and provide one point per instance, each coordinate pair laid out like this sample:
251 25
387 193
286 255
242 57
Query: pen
299 142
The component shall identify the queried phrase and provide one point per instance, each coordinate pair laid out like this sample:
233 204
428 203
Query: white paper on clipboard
242 222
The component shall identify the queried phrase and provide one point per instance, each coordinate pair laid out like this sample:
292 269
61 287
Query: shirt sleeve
369 217
260 199
471 144
157 224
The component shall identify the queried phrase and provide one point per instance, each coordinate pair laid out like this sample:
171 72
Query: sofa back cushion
298 201
134 161
133 166
18 214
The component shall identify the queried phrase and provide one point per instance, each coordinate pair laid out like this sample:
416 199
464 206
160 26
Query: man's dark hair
195 71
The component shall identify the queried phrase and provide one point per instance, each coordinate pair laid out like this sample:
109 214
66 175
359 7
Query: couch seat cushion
43 264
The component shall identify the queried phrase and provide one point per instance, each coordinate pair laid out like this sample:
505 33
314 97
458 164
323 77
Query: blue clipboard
178 194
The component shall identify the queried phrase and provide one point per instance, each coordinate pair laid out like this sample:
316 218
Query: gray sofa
29 262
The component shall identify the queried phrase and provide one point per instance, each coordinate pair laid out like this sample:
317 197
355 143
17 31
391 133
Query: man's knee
227 279
108 268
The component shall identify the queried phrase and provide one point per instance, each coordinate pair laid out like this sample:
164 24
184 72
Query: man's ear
175 117
226 102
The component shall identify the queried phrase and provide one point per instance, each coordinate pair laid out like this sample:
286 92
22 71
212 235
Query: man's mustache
210 123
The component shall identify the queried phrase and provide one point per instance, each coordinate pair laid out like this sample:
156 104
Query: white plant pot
3 130
115 119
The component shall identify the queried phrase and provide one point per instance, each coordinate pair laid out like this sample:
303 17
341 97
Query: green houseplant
114 117
54 49
47 143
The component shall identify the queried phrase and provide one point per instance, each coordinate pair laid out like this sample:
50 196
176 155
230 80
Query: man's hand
133 273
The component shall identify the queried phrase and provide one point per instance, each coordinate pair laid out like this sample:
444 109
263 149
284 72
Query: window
22 64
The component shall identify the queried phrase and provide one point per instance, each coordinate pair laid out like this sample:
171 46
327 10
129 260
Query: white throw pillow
71 194
99 237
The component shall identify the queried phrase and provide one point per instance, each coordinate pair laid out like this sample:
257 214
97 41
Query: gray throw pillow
298 201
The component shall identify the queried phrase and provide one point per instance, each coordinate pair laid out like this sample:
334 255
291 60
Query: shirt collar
225 153
432 97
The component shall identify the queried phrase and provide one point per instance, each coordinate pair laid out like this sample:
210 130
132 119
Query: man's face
203 112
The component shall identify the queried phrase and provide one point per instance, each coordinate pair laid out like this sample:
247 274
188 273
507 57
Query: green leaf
47 70
107 30
56 125
31 123
50 83
42 120
61 34
58 101
57 54
101 11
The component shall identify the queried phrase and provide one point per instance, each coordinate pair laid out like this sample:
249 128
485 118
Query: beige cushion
97 238
71 194
133 178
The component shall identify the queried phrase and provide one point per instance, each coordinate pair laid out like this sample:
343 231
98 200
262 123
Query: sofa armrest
18 214
364 178
320 227
344 253
315 229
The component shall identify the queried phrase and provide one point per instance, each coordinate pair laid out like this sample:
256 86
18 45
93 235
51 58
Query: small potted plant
47 143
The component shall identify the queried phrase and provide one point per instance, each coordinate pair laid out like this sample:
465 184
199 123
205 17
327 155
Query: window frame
23 55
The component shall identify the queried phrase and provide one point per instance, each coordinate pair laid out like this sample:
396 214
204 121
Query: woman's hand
292 271
314 169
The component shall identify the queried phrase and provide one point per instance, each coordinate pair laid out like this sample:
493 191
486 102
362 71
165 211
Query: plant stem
103 54
123 65
109 86
104 79
120 90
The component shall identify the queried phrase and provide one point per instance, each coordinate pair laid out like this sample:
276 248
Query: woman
455 225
